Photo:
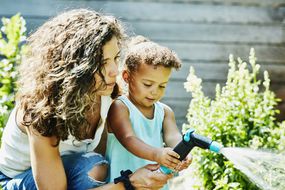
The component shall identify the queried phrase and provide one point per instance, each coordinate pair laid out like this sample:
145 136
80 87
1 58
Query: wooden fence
202 32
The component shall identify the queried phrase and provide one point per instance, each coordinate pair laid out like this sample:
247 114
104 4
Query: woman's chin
106 92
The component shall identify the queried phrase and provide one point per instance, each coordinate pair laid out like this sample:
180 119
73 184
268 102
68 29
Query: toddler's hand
184 164
167 157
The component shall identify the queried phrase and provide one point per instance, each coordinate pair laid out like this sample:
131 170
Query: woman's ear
125 76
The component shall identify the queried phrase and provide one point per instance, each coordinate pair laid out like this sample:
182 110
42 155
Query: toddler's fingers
188 158
173 154
184 165
173 160
173 164
188 162
170 165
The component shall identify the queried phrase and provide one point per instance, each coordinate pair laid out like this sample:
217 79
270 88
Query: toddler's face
147 84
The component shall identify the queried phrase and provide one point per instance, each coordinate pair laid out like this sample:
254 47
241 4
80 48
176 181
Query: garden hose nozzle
188 142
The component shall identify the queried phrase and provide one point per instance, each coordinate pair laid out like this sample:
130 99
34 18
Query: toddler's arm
120 125
172 136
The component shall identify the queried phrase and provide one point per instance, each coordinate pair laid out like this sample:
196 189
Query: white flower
193 82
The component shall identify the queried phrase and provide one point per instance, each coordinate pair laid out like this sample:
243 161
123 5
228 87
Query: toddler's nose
154 92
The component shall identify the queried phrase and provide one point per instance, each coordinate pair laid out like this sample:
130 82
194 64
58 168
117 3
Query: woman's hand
147 178
185 163
167 157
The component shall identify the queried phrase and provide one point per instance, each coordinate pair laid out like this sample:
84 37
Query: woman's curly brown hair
56 84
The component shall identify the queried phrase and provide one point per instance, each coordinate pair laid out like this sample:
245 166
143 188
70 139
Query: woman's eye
117 58
162 86
147 85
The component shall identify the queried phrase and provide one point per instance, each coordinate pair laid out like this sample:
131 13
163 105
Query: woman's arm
143 178
47 166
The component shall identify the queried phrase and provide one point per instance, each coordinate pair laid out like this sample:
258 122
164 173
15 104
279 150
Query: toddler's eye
162 86
147 85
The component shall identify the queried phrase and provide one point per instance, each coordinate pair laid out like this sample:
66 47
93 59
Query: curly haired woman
54 137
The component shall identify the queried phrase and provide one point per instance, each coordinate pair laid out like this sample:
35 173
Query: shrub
241 115
12 36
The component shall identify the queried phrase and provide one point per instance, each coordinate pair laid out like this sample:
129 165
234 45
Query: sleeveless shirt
15 150
147 130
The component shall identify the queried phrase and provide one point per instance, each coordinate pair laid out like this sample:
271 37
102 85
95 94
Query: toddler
141 129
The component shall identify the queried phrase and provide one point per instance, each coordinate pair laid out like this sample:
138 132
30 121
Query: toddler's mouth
151 99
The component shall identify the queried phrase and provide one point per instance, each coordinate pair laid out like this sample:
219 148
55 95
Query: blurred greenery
241 115
12 38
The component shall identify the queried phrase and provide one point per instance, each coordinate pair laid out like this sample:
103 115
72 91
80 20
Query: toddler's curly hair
142 50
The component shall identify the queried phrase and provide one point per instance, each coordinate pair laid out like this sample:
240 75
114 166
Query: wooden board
147 10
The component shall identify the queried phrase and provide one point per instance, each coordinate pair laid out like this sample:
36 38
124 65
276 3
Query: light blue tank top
148 130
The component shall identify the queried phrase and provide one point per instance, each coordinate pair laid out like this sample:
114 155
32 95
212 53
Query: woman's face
111 55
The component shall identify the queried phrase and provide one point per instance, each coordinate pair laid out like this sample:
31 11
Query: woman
65 87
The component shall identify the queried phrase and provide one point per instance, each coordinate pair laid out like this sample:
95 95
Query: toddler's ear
125 76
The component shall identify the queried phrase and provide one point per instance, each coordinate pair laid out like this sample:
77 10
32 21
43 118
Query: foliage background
241 115
12 38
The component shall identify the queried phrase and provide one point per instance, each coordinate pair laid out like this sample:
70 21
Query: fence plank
219 52
175 89
193 32
178 106
218 71
214 2
151 11
215 33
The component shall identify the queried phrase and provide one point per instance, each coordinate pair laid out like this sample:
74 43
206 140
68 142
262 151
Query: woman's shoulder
19 115
31 132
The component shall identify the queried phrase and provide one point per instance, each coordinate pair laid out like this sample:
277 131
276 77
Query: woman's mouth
111 84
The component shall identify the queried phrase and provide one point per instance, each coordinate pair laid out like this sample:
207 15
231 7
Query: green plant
11 36
241 115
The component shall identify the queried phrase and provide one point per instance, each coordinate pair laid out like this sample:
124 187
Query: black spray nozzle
189 141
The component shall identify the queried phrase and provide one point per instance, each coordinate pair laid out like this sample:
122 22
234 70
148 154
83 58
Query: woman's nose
114 70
